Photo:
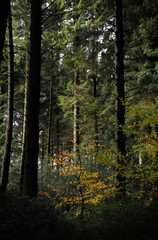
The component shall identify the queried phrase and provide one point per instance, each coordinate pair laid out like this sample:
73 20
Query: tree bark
8 138
33 105
42 158
24 124
57 131
120 97
76 138
4 10
95 93
50 118
95 113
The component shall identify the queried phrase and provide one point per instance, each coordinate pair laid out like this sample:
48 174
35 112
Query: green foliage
143 127
126 220
86 184
90 179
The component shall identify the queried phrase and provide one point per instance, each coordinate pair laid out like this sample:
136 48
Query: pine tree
76 45
24 124
9 129
32 105
50 119
120 96
4 11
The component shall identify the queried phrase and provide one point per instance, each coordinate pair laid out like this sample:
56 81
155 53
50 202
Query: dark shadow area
24 218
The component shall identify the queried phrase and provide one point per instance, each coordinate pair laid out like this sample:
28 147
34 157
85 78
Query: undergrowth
24 218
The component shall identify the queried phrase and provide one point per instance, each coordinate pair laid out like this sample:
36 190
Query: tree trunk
33 105
57 142
50 118
4 10
76 139
57 131
2 107
2 110
94 66
8 138
95 95
24 124
120 97
42 158
95 113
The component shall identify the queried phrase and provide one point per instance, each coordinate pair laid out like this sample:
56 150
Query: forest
79 119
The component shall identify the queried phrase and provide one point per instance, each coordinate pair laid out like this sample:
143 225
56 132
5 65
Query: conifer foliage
85 80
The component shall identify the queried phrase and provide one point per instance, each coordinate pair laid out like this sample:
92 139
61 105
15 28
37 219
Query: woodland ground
22 218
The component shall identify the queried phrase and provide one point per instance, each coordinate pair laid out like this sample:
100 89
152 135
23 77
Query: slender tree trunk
33 105
57 131
76 138
120 97
156 169
57 143
50 118
95 92
24 124
2 108
4 10
95 112
8 139
49 131
42 158
2 102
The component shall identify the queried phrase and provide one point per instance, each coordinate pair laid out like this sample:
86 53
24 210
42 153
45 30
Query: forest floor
37 219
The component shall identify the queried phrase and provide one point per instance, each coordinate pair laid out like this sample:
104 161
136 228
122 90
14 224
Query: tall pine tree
32 103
